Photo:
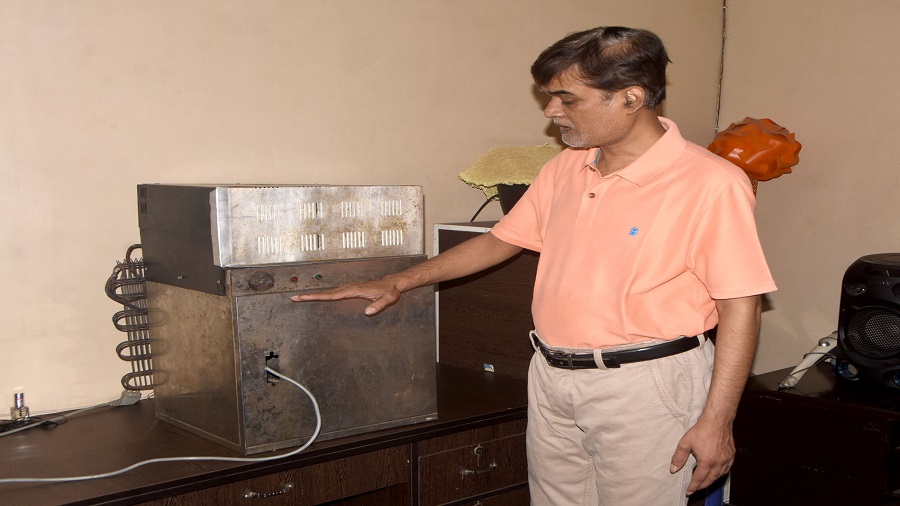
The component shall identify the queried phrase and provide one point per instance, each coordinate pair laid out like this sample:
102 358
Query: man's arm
470 257
710 440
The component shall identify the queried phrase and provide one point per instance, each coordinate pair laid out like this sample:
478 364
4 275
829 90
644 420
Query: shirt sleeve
726 254
525 223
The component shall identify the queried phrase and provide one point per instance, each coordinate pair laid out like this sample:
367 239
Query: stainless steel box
210 353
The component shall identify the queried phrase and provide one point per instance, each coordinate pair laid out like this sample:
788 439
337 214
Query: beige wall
97 96
827 71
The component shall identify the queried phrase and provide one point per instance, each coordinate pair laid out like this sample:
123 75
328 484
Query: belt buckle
559 355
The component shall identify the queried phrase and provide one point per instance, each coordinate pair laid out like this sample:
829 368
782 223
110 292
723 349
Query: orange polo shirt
642 253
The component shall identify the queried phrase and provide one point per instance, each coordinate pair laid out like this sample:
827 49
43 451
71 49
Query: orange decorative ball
761 147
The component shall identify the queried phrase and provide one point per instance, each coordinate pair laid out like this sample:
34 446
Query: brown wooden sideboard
473 452
824 442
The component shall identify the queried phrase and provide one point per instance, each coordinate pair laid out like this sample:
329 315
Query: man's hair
608 58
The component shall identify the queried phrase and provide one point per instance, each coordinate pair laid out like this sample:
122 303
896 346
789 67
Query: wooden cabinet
473 454
824 442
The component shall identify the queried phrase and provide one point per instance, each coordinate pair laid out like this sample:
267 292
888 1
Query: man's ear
634 98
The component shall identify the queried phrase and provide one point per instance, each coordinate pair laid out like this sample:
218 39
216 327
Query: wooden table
480 430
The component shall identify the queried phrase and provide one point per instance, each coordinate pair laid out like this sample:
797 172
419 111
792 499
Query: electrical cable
793 380
486 202
721 65
38 423
128 398
822 355
306 445
59 420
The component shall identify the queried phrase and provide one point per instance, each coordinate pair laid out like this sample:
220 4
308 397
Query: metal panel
194 355
175 237
268 225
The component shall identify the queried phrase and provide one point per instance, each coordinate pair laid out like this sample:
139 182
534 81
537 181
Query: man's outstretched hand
471 256
382 292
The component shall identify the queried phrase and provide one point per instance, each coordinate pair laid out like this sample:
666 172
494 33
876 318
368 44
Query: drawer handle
479 452
256 495
473 472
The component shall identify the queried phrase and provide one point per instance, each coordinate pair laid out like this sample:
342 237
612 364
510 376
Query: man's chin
574 143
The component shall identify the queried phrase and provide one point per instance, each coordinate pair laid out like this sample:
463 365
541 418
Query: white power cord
179 459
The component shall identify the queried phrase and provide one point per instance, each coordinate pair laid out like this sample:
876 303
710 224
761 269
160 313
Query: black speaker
868 344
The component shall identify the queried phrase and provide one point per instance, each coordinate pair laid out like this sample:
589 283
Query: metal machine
221 263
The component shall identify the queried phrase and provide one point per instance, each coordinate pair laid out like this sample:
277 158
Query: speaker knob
846 370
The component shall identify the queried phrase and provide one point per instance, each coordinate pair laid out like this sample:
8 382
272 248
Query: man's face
586 117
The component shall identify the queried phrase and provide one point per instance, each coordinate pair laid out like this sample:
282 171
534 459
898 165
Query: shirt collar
653 161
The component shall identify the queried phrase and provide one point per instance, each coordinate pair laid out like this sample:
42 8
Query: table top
820 384
108 439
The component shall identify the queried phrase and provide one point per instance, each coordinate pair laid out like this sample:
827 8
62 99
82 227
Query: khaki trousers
606 436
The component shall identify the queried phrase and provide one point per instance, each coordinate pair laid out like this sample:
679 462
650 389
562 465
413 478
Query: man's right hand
382 292
471 256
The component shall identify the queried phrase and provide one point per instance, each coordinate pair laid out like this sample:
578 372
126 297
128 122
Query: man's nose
552 110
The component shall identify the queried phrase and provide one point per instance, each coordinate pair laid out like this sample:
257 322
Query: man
647 241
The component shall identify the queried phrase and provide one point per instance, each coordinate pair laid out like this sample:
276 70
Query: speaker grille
874 333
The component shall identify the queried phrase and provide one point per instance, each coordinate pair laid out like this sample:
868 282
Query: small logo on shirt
633 232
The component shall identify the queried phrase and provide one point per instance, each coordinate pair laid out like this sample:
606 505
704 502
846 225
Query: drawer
472 470
315 484
471 437
515 497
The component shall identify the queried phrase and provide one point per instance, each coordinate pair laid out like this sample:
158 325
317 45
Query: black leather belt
613 359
